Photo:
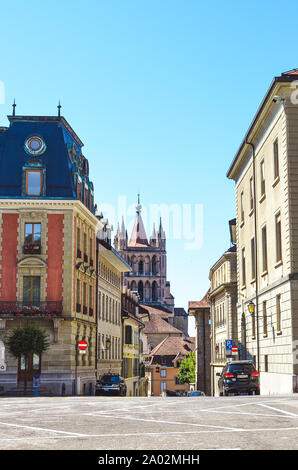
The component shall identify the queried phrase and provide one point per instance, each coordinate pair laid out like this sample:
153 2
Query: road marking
166 422
293 415
40 429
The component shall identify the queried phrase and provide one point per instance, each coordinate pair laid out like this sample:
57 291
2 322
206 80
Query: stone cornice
17 205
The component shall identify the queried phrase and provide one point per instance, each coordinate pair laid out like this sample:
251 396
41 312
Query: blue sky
160 92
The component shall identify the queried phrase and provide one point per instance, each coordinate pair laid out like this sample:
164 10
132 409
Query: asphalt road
106 423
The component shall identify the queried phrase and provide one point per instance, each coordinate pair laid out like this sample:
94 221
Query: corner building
47 252
265 171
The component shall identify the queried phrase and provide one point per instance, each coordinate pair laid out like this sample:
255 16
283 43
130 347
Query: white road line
293 415
167 422
40 429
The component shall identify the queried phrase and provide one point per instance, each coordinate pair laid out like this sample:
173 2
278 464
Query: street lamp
251 307
108 343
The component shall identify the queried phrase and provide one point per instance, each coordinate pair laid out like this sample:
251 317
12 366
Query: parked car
112 384
239 377
196 393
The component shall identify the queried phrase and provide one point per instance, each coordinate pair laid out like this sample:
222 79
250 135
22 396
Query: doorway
28 362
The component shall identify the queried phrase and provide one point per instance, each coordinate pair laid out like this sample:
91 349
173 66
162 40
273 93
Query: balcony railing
45 308
32 249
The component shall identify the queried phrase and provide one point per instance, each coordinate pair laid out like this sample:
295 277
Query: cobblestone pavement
106 423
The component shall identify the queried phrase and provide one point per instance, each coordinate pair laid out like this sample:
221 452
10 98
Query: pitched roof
172 346
157 324
163 312
204 303
138 237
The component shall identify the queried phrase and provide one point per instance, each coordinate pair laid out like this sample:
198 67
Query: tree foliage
28 339
187 370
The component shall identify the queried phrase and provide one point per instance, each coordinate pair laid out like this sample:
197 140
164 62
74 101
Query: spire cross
14 108
59 108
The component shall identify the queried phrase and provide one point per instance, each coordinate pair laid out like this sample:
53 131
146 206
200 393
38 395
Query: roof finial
59 108
14 108
138 198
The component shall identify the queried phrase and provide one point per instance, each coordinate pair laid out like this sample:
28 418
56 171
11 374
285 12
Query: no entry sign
82 345
234 348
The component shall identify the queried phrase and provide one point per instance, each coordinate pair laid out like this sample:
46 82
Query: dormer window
33 182
34 179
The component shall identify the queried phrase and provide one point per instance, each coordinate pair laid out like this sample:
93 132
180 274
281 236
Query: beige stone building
109 323
133 315
200 310
265 171
223 311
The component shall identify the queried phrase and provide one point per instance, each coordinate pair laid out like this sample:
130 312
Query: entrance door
29 363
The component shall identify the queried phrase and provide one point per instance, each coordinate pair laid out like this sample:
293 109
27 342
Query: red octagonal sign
82 345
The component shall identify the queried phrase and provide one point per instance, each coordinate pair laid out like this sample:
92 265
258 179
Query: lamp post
251 308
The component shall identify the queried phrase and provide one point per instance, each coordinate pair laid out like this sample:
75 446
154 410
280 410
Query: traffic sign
229 344
82 345
234 348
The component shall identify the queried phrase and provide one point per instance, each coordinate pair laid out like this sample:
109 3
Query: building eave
266 102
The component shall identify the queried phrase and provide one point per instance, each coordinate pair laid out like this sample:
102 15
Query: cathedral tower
148 260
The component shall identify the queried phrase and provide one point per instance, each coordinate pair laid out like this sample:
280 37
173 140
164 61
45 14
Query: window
242 207
275 157
163 386
278 314
33 233
90 300
253 258
33 182
251 193
243 268
266 362
278 238
265 318
163 372
84 297
264 249
31 291
78 296
128 335
79 253
262 178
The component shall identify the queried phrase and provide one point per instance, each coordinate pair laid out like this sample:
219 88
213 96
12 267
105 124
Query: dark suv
111 384
239 377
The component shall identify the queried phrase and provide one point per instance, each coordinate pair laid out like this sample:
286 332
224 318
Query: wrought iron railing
31 308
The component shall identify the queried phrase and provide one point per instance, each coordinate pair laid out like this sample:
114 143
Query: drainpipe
256 249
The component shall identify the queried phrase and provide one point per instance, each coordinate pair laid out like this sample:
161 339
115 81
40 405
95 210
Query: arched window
141 267
154 265
154 291
141 290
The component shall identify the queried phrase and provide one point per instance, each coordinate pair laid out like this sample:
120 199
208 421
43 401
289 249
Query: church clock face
35 145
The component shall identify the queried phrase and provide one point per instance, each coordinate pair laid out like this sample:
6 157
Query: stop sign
82 345
234 348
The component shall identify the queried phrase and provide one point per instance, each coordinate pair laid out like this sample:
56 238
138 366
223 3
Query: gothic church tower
148 260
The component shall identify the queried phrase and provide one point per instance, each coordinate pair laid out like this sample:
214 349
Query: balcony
51 308
32 249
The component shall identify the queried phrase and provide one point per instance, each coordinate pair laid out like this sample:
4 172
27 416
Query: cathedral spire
138 236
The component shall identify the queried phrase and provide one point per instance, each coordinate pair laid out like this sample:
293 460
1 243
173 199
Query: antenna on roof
59 108
14 108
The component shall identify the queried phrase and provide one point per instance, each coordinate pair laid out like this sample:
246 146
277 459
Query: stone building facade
223 311
265 171
47 252
110 268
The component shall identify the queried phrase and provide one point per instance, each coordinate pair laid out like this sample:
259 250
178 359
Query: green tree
24 341
187 369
